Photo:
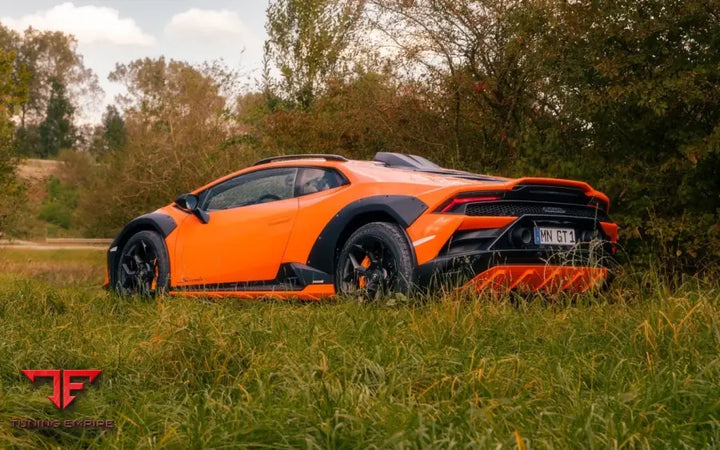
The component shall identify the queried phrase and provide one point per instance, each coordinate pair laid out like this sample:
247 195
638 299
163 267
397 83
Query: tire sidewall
158 243
396 240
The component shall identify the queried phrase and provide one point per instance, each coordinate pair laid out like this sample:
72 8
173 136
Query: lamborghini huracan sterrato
311 226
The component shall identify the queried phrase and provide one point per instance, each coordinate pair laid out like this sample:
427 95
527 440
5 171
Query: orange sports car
311 226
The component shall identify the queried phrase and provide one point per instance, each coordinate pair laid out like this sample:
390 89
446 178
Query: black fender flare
403 209
159 222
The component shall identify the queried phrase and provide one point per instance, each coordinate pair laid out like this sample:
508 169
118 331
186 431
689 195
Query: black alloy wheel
376 261
142 267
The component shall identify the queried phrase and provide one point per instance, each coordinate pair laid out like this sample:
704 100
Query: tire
375 261
143 266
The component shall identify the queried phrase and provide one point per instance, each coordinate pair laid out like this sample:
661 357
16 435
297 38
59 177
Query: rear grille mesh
517 209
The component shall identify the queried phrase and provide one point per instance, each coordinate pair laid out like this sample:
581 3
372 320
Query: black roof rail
302 156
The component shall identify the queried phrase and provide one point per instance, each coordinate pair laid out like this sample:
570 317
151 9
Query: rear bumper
524 270
502 259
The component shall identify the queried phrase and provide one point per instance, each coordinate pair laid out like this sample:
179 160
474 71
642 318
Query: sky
120 31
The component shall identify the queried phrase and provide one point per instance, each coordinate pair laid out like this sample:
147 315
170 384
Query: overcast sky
111 31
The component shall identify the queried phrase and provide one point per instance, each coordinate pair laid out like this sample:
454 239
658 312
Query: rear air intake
526 200
516 209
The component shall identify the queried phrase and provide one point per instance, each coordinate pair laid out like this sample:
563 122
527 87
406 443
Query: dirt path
28 245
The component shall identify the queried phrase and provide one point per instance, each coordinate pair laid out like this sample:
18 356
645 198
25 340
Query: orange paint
312 292
533 278
611 229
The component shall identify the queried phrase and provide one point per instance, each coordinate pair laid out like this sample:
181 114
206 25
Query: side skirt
291 277
312 292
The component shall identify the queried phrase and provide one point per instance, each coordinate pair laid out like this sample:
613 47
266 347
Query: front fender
159 222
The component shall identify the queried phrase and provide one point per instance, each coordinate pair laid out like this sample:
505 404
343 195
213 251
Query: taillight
451 204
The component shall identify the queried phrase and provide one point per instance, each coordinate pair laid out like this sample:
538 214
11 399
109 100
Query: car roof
396 167
380 163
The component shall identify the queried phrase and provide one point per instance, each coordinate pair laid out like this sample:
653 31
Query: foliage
13 92
60 204
109 136
180 135
57 130
635 367
48 56
114 132
645 78
358 118
46 59
306 43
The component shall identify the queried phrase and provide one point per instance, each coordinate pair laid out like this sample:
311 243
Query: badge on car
554 236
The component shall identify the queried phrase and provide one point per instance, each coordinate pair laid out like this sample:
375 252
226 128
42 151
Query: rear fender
402 209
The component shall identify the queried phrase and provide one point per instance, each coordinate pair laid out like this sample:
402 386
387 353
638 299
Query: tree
642 79
46 57
51 56
306 43
180 135
477 63
13 92
114 132
57 130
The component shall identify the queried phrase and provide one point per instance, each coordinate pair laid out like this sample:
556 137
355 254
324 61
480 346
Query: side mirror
187 201
190 202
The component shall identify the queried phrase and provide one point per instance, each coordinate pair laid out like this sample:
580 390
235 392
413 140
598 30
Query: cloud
209 24
90 24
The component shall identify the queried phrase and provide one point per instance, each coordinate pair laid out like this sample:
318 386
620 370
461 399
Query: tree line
623 94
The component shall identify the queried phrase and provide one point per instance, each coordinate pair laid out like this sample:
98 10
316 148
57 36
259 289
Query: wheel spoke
139 269
127 270
138 260
370 268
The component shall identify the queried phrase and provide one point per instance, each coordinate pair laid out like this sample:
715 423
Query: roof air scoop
406 161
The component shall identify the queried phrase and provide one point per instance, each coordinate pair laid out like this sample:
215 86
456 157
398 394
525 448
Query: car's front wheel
376 260
143 266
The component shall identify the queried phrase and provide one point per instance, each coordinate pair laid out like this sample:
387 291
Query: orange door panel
239 244
315 211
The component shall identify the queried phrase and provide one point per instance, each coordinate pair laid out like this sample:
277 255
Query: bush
60 204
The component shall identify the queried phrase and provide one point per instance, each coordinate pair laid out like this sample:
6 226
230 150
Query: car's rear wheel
375 261
143 266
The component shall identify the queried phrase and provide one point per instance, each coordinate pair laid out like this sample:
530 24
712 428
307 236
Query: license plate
554 236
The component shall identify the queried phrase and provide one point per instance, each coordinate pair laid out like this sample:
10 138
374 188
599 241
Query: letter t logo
62 398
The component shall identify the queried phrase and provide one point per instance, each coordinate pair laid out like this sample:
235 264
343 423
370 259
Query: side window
257 187
314 179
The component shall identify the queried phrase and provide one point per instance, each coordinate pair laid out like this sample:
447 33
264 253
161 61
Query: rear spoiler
586 188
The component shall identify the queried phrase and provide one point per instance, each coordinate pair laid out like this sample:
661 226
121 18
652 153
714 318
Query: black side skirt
290 277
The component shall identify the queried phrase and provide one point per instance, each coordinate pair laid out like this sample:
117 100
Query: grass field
637 367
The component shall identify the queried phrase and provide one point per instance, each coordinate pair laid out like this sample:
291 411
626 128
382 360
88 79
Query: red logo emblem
62 384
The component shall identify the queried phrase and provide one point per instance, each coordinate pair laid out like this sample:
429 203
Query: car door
251 217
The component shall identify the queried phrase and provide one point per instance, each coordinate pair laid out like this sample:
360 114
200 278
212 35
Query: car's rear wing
561 183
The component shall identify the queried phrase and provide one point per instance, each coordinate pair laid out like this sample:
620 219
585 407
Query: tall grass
637 367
